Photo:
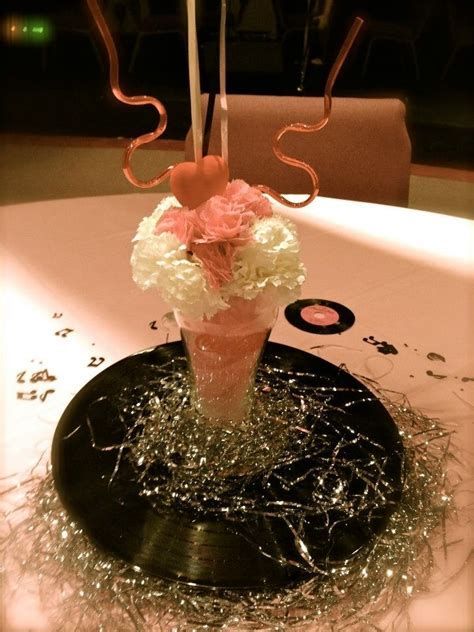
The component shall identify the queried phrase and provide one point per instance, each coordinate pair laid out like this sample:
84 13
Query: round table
70 308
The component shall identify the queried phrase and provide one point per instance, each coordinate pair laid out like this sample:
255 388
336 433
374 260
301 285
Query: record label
318 316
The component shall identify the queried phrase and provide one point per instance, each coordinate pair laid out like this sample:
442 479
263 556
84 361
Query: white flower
151 255
147 225
269 263
161 262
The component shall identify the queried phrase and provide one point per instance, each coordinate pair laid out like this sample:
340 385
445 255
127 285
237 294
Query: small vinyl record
318 316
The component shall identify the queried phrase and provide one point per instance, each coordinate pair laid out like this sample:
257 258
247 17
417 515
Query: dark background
56 82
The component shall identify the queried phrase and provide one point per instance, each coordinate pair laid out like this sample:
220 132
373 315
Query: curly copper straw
133 100
303 127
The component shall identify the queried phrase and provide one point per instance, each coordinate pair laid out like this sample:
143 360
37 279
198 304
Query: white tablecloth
406 275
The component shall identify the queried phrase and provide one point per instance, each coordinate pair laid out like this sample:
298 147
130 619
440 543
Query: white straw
194 80
222 85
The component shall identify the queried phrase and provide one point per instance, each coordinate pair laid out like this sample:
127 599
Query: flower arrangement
232 245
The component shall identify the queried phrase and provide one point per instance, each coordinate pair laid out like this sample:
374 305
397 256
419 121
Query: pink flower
182 222
221 221
216 228
216 259
248 199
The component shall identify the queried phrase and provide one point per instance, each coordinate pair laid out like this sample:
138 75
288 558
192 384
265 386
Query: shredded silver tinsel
213 468
208 469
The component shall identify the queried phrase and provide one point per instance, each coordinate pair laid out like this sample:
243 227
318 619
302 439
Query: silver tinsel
85 589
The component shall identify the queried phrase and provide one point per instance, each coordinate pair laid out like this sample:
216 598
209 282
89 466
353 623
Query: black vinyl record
318 316
210 550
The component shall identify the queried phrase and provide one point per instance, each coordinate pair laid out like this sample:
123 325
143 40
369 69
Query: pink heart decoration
192 183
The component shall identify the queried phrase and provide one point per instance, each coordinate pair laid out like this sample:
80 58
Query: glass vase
223 354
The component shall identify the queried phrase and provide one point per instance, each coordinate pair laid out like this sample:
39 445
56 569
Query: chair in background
363 153
307 19
257 18
460 22
253 42
405 31
158 18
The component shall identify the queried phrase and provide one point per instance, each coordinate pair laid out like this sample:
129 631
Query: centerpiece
219 254
224 267
198 476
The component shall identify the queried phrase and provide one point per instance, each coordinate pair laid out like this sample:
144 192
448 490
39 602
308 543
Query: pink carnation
248 198
216 259
182 222
221 221
214 230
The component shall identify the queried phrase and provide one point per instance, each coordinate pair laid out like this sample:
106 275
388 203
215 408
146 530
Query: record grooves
208 550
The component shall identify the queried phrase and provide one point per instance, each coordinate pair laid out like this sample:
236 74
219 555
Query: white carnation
151 255
147 225
270 263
